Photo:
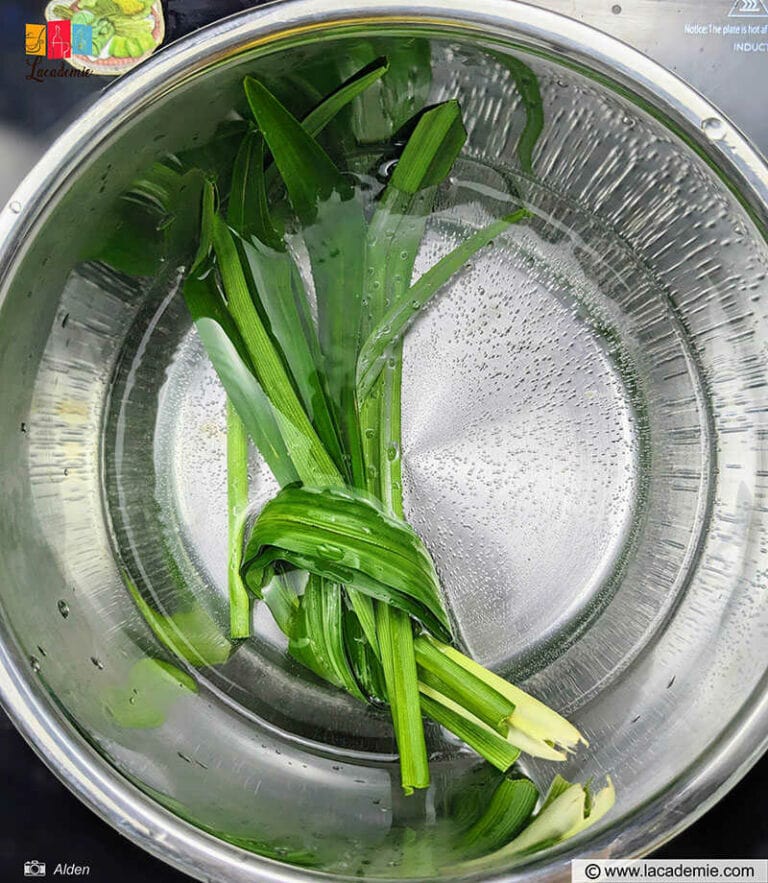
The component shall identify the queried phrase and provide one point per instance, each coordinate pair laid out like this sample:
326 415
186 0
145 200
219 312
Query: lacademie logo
106 37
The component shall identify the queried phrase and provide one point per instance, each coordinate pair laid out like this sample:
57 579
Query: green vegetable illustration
121 29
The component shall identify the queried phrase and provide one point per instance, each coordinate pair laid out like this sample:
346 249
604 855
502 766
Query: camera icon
34 869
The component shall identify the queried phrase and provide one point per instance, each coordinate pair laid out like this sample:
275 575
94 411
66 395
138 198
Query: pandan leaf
558 786
362 657
190 634
439 672
470 729
531 716
334 228
283 603
281 295
318 635
228 355
395 634
237 504
248 211
393 238
401 315
310 176
509 811
308 455
550 826
345 538
317 119
431 150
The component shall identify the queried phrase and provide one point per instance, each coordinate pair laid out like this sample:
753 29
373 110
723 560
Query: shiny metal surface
665 807
702 41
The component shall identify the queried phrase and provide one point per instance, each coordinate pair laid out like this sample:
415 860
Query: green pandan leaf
283 602
248 210
509 811
283 299
229 357
310 176
431 150
362 657
307 453
153 687
470 729
317 119
442 673
190 634
346 538
334 230
318 635
401 314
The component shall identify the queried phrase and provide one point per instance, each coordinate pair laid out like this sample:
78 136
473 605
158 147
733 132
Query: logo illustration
107 37
749 9
34 869
59 39
34 43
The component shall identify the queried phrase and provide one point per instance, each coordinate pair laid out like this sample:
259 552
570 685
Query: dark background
39 818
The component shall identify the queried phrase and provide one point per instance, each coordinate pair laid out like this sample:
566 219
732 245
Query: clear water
528 391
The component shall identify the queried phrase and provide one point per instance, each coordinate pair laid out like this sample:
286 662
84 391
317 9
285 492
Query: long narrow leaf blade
431 150
310 176
395 634
318 639
509 811
237 503
334 228
401 315
317 119
227 353
440 672
310 459
480 737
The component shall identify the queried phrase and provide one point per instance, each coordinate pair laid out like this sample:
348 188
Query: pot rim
740 167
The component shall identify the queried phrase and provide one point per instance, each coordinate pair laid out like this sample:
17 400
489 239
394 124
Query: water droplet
713 128
35 663
629 122
63 608
616 9
15 207
393 452
372 471
415 304
98 663
369 433
328 551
